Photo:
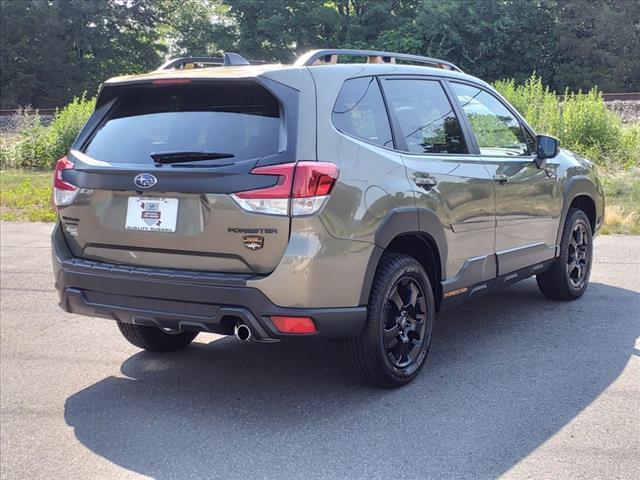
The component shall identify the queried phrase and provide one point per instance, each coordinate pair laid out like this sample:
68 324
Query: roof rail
229 59
329 56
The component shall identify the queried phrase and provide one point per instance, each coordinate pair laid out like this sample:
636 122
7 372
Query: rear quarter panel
373 181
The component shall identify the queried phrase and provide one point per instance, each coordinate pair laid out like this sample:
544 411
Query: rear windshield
238 119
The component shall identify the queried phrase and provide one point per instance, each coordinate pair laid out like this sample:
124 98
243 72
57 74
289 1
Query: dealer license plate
152 214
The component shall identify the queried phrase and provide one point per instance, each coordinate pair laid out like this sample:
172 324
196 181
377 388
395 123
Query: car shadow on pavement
505 373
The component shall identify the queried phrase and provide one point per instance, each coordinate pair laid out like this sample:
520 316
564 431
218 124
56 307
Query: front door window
497 130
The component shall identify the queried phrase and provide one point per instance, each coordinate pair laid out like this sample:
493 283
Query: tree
282 29
53 50
493 40
598 43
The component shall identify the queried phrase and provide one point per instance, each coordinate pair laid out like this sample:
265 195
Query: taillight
171 81
63 192
302 189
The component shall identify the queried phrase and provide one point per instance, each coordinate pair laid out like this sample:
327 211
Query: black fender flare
579 185
405 221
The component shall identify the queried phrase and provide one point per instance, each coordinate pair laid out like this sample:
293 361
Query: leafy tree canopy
52 50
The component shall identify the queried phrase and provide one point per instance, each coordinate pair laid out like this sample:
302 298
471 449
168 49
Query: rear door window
239 119
360 112
426 118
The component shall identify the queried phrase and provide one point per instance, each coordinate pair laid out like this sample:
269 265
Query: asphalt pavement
515 386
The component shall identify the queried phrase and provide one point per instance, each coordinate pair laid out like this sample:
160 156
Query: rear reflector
302 189
63 192
299 325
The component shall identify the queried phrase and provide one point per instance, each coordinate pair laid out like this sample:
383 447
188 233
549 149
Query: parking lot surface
515 386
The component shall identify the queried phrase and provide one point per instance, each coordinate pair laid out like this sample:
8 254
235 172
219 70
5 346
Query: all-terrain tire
155 339
568 276
371 356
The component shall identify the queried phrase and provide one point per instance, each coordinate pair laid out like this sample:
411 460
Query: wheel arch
415 232
588 206
581 193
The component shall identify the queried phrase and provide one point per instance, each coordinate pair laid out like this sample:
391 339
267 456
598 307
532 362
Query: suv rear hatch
152 172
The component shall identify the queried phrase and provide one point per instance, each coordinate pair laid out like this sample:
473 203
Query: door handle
501 178
425 182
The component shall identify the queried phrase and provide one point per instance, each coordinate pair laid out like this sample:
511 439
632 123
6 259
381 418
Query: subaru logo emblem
145 180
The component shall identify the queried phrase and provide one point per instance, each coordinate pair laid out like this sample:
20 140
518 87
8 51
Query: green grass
26 196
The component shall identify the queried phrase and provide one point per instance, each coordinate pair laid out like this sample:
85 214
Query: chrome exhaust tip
242 332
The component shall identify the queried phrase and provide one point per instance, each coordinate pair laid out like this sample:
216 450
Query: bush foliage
35 146
581 121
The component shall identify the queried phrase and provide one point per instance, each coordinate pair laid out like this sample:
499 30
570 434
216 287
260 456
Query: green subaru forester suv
351 195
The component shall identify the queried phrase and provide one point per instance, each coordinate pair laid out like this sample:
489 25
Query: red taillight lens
282 189
302 189
63 164
295 325
314 179
63 192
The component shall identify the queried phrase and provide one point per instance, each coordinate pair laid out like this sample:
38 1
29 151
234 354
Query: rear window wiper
183 157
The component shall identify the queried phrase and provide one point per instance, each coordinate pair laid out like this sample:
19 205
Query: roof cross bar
328 56
228 60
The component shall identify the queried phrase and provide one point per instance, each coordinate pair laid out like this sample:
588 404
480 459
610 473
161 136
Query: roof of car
321 60
251 71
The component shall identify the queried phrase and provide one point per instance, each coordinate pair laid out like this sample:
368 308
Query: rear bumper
183 299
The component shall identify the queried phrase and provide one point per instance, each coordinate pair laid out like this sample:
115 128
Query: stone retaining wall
629 110
8 124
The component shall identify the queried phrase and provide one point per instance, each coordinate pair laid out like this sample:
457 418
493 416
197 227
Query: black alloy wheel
400 317
578 255
405 329
567 277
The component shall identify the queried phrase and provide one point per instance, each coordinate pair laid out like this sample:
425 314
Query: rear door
157 170
447 179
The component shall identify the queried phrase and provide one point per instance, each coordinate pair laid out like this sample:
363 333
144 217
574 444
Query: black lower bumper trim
183 300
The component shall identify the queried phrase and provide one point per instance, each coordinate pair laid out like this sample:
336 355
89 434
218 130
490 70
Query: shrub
28 146
67 124
628 152
581 121
35 146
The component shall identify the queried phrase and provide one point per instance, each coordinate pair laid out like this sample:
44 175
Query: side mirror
546 147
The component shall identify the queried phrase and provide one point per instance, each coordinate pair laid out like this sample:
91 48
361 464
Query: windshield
240 119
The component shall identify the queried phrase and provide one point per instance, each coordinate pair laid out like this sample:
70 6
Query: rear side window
239 119
497 130
360 112
425 115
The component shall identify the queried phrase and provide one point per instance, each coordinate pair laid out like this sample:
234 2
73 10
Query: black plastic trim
482 288
405 221
472 272
576 186
412 220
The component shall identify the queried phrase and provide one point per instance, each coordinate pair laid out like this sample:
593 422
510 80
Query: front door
527 198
